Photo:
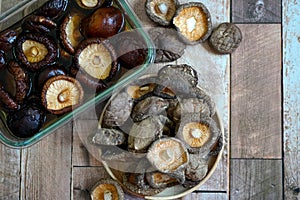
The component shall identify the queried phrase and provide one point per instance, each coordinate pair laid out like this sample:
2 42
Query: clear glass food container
12 14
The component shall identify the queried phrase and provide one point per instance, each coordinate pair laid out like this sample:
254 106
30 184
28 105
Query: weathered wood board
9 173
255 179
256 11
291 101
46 167
256 93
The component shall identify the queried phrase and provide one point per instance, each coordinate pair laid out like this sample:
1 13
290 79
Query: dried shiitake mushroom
22 81
118 111
94 84
143 133
197 168
26 121
35 23
161 11
193 22
150 106
107 136
107 189
89 4
53 9
137 92
7 39
70 34
36 50
61 94
131 48
226 38
169 155
97 58
199 133
104 23
160 180
47 73
7 100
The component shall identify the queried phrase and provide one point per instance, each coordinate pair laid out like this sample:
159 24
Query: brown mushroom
199 133
53 9
107 189
36 50
70 34
22 81
35 23
161 11
169 155
90 4
193 22
61 94
104 22
97 58
7 39
7 100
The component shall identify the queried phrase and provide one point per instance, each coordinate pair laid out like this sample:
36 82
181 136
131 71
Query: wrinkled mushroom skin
7 39
22 81
7 100
35 51
107 189
87 80
35 23
104 22
53 9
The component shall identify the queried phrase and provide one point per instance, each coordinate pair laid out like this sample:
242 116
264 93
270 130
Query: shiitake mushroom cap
7 39
104 22
47 73
226 38
161 11
36 23
193 22
96 58
199 133
41 50
26 121
61 94
107 189
70 34
53 9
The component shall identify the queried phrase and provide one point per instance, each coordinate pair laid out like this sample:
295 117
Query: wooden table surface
260 103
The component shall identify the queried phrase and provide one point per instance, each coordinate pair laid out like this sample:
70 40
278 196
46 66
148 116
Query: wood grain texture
80 154
241 11
9 173
46 167
256 179
291 105
84 178
209 196
256 93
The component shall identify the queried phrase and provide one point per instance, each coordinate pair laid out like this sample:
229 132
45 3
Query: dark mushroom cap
97 58
193 22
36 23
27 121
36 50
61 94
70 34
53 9
161 11
47 73
104 22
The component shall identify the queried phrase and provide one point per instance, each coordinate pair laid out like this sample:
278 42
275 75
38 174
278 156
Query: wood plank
256 93
210 196
46 167
80 155
256 179
84 179
291 82
9 173
241 11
